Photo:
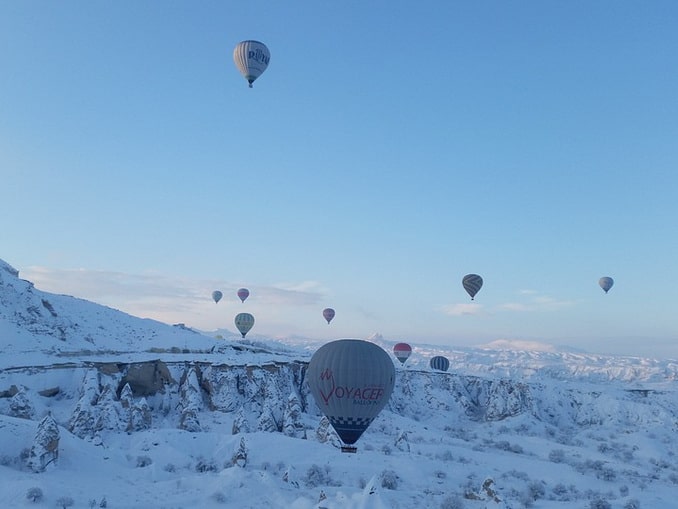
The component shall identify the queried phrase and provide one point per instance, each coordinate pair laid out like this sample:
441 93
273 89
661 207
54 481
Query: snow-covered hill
155 415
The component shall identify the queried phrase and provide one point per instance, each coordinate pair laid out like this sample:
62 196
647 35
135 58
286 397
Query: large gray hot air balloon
472 284
244 322
217 295
439 362
251 58
606 283
351 381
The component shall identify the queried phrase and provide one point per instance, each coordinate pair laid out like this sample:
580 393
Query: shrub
34 494
65 502
389 480
634 503
452 502
316 476
599 503
143 461
557 456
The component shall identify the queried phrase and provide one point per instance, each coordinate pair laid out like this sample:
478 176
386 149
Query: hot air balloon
351 381
251 58
328 314
472 284
243 293
244 322
439 362
402 351
606 283
217 295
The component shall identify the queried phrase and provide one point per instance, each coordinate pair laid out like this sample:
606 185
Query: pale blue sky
386 152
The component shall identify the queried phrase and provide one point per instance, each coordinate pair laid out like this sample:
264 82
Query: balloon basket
349 448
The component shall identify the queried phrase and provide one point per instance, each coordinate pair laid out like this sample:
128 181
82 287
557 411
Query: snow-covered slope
154 415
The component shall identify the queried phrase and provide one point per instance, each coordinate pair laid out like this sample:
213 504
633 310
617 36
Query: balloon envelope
472 284
351 381
606 283
402 351
251 58
243 293
440 362
328 314
244 322
217 295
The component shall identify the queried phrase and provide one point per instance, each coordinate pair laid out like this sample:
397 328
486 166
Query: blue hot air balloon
217 295
440 363
606 283
351 381
472 284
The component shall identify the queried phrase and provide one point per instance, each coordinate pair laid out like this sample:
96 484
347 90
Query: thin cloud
159 293
535 303
462 309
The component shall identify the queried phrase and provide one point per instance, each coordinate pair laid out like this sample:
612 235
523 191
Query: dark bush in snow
316 476
557 456
34 494
599 503
452 502
65 502
389 480
633 503
204 465
219 497
143 461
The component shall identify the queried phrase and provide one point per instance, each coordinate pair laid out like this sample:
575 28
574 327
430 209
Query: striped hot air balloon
217 295
351 381
472 284
251 58
244 322
440 363
402 351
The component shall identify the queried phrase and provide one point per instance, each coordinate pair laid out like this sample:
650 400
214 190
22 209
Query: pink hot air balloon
402 351
243 293
328 313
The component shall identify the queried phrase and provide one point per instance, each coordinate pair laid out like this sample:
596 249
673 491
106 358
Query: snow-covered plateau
102 409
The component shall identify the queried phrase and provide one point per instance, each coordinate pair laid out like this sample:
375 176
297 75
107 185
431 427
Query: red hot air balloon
243 293
328 314
351 381
402 351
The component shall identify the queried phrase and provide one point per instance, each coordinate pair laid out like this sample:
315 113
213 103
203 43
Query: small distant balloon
606 283
328 314
472 284
251 58
217 295
351 381
243 293
440 363
402 351
244 322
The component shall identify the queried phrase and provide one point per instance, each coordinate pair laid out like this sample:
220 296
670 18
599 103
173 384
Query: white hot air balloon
244 322
251 58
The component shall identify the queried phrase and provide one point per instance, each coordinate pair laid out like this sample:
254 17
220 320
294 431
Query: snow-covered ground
232 423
